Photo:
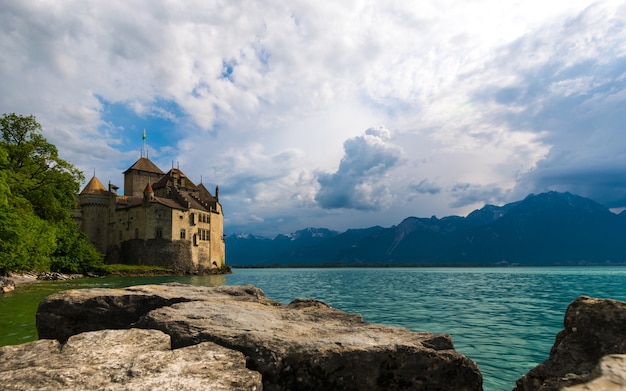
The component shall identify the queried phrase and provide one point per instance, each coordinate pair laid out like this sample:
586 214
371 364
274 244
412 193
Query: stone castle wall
218 248
175 255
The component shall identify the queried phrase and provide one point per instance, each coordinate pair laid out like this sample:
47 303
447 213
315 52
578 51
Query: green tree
26 241
73 253
37 194
35 170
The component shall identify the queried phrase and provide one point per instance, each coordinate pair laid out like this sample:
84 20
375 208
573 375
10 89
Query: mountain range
545 229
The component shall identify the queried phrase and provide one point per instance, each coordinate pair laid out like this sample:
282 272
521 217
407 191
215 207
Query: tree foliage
37 194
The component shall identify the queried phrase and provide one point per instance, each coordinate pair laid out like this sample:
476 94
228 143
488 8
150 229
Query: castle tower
139 175
148 193
94 205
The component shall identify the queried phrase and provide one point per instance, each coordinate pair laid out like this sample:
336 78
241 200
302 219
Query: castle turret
94 203
148 193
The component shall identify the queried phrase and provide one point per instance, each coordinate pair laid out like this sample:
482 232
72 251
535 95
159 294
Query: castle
162 219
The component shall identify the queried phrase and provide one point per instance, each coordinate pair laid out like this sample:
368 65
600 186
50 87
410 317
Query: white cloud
270 99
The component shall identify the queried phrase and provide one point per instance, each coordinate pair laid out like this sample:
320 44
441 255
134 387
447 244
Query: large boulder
305 345
594 328
138 360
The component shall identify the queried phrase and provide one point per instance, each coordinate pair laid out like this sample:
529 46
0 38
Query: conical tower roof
94 186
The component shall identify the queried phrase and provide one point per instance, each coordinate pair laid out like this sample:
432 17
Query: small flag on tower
144 134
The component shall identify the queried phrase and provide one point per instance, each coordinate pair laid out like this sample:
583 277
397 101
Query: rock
54 276
594 328
123 360
305 345
6 285
611 375
22 278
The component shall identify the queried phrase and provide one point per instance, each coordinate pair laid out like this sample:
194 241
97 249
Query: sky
331 114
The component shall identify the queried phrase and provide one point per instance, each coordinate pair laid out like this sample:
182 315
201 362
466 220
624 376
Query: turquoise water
505 319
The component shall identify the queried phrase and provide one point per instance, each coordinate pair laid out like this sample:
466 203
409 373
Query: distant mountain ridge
545 229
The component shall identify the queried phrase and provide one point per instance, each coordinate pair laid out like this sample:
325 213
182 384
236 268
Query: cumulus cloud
359 182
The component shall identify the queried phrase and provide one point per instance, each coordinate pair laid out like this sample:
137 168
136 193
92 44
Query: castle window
195 240
182 233
192 218
203 234
158 232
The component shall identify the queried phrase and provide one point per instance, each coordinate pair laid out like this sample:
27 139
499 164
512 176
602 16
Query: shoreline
12 280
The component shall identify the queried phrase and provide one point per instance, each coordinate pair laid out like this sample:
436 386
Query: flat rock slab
115 360
305 345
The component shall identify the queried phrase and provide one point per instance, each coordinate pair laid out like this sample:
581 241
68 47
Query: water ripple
504 319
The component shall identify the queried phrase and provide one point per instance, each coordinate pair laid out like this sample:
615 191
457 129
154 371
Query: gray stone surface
305 345
594 328
611 375
115 360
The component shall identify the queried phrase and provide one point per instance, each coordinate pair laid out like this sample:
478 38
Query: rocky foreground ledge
182 337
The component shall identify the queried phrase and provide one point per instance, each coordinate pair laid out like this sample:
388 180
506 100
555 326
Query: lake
505 319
